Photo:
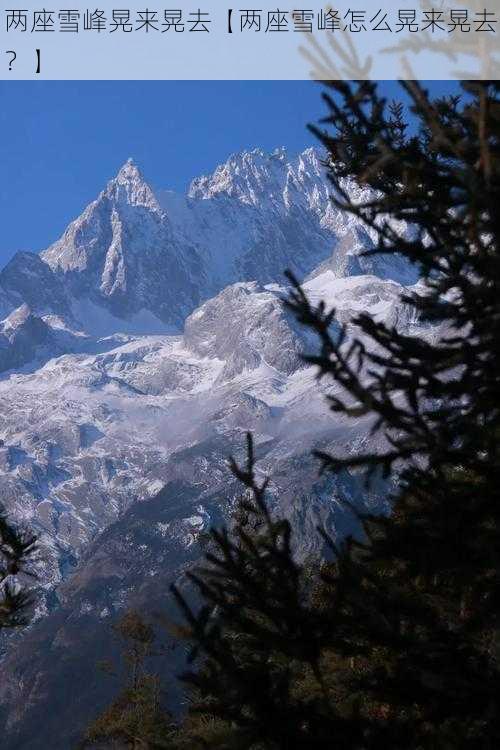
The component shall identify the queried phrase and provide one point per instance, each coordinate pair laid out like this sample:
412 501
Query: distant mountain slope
136 261
134 354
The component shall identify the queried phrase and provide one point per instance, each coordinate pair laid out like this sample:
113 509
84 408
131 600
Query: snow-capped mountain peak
126 202
129 170
130 188
254 177
136 254
136 350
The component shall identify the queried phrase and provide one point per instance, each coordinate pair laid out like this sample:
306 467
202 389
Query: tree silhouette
16 553
135 719
395 642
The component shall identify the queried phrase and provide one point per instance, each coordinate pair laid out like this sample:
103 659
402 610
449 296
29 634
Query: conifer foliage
395 643
16 555
136 718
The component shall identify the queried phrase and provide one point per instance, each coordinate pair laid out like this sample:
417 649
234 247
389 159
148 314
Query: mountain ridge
134 354
135 252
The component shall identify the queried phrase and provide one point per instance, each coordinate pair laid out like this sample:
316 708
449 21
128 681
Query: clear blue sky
61 141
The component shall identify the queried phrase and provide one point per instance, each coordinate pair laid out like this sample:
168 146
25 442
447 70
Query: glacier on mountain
136 351
156 322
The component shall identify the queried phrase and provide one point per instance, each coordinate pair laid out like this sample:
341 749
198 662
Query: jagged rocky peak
127 199
94 425
130 187
127 255
121 254
129 171
250 175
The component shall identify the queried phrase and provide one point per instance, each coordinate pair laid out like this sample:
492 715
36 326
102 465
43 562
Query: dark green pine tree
395 644
136 718
16 555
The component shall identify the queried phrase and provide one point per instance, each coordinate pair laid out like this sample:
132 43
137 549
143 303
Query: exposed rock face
259 332
27 279
121 254
22 336
137 261
134 354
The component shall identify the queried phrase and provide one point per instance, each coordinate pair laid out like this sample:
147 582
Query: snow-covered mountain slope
137 261
260 213
118 459
121 254
135 353
86 434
